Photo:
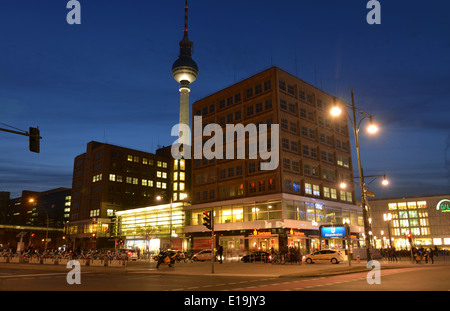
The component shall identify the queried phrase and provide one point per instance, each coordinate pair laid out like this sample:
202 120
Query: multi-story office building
4 206
51 207
426 218
41 215
108 179
284 206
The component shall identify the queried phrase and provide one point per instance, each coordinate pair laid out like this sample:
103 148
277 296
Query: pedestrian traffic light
34 139
207 220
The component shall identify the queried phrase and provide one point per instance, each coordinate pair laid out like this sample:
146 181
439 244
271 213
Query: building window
308 188
333 193
326 192
316 190
239 170
94 213
258 88
259 107
97 177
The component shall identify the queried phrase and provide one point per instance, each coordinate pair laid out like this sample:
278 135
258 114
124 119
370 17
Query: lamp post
159 198
34 203
387 217
335 111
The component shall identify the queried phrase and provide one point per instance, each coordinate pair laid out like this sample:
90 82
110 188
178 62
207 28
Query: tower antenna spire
186 19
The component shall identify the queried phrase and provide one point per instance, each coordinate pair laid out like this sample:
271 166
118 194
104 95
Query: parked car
205 254
130 254
327 255
257 256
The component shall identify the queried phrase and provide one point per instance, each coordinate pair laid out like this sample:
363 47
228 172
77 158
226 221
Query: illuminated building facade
426 218
282 207
109 178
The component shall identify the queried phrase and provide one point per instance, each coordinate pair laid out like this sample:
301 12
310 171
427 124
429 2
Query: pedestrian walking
430 254
393 254
417 256
220 253
388 254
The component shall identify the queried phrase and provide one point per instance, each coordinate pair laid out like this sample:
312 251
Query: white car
326 255
205 254
130 254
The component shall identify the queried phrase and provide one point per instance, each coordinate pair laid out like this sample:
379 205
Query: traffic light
34 139
409 236
207 222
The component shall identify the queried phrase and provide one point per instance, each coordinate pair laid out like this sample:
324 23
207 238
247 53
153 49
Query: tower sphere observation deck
184 69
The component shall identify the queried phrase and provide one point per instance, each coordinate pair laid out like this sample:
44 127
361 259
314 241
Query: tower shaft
184 112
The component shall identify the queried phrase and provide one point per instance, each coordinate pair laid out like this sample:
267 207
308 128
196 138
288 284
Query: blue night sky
109 79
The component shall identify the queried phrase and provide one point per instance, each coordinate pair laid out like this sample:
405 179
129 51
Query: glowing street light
372 129
336 111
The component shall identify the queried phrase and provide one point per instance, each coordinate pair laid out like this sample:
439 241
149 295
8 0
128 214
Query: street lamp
336 111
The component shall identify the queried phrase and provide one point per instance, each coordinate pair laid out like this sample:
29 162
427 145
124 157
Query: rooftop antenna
186 20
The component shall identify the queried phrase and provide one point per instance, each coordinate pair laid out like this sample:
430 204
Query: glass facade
149 224
278 209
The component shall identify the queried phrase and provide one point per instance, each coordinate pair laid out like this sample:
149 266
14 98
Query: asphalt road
411 278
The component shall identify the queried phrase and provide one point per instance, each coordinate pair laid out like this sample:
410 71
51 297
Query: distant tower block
185 71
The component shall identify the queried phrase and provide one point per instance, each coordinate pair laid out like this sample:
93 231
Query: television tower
185 71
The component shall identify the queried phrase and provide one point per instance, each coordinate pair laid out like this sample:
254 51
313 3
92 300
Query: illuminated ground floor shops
279 222
425 218
152 228
90 233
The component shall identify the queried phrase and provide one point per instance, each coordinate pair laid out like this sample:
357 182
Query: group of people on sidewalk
419 254
423 254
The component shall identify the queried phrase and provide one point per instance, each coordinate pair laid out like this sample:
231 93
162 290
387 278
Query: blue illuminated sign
333 232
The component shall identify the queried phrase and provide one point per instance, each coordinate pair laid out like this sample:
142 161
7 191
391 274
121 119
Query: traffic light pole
34 137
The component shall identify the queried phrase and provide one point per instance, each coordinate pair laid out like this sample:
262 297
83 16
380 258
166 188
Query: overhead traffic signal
207 221
34 139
